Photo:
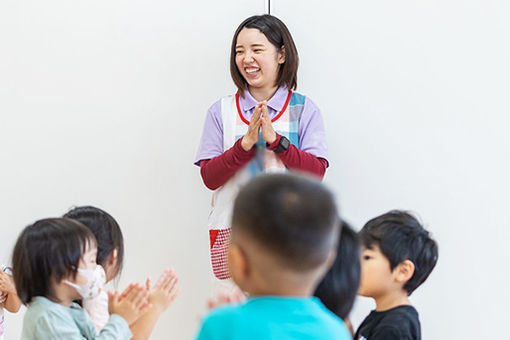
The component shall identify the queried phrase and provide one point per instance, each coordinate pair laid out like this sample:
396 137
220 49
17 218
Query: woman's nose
248 57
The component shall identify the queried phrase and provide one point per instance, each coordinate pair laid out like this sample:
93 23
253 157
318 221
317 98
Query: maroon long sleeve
293 158
217 171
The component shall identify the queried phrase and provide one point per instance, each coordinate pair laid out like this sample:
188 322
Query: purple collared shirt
311 131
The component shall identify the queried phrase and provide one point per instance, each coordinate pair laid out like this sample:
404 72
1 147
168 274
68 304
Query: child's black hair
400 237
105 229
292 216
339 287
46 252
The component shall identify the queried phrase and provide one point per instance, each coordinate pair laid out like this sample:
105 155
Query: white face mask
96 279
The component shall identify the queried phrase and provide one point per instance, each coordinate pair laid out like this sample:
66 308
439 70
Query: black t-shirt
399 323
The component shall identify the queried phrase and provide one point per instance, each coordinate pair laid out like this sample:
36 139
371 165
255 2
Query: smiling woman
264 127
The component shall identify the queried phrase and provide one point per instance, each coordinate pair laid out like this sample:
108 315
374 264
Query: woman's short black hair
291 216
278 34
339 287
400 237
106 230
47 252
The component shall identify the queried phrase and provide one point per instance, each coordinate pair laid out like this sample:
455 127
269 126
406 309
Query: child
284 232
54 264
398 255
8 297
339 287
265 127
110 256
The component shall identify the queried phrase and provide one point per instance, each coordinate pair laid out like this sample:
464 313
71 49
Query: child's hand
268 133
7 283
164 292
252 136
235 296
131 305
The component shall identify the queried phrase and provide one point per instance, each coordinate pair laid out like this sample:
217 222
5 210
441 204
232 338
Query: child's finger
127 291
145 308
174 291
148 283
162 279
133 292
112 297
139 297
170 284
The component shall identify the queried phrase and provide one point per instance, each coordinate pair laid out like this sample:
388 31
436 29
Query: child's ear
237 264
281 55
113 258
404 271
331 259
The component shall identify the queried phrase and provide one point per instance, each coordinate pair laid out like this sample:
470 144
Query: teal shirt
278 318
45 320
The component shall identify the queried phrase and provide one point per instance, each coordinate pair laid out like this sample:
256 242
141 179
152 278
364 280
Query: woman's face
257 59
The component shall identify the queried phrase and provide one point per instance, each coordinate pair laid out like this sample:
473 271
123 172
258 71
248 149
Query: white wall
103 103
415 95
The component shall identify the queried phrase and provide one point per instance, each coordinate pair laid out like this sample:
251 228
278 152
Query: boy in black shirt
397 256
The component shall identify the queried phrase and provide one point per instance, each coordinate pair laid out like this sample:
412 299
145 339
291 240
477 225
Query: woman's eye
258 50
238 52
366 257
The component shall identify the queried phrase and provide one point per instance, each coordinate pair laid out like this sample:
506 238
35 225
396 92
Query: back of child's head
105 229
291 217
400 237
279 36
339 287
47 252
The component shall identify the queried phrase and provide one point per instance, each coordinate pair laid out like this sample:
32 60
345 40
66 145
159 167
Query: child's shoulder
226 311
402 320
42 312
221 318
402 313
331 322
41 307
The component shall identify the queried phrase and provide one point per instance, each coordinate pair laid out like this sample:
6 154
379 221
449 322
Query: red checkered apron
235 126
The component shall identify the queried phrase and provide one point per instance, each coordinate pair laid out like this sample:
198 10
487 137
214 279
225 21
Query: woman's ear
404 271
281 55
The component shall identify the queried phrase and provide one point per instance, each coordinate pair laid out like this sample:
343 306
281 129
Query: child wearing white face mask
54 264
110 256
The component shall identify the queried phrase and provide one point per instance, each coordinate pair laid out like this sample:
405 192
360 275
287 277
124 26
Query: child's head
49 252
339 287
398 254
110 242
284 234
263 54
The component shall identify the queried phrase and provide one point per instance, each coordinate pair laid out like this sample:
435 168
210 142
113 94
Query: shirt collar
276 102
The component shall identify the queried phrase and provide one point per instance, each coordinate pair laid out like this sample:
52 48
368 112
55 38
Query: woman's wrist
246 144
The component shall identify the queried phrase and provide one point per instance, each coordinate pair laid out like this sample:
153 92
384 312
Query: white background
102 103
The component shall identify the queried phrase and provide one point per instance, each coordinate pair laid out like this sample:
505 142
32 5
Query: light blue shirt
278 318
46 320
